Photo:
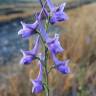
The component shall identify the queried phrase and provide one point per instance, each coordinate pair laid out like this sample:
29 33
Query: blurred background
78 37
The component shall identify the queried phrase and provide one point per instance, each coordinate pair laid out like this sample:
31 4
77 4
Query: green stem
47 24
46 58
46 70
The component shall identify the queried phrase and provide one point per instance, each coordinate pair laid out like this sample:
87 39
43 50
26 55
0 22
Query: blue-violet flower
54 44
61 66
28 29
57 14
29 56
37 83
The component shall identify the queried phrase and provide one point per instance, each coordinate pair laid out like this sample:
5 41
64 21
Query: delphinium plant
51 44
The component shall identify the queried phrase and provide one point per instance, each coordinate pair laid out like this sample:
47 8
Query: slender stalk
46 58
46 70
47 23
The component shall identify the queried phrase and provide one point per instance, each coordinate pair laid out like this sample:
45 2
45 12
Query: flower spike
52 44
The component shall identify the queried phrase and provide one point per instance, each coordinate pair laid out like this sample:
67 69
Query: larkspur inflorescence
52 16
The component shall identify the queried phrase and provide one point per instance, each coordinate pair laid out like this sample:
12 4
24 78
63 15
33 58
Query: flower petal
61 7
64 68
42 31
26 59
40 75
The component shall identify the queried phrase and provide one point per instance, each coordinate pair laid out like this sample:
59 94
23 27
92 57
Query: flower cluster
53 15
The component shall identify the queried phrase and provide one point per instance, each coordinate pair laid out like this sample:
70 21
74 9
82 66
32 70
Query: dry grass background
78 37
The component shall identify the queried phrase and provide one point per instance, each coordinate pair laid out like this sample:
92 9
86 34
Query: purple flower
26 59
29 56
37 83
57 14
61 66
28 29
54 44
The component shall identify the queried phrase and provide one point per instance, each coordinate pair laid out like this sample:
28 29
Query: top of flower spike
53 8
57 14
